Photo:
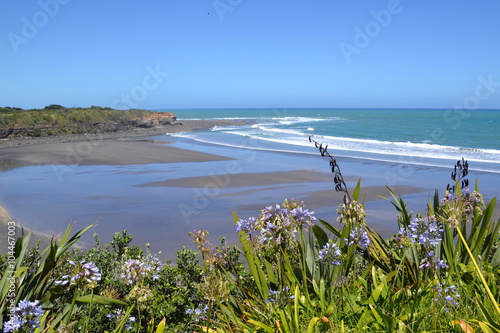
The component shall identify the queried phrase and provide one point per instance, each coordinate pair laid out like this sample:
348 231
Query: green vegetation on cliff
58 120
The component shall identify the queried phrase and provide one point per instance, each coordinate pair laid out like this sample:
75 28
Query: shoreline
5 222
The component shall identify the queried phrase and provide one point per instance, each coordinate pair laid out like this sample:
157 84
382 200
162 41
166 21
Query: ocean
435 138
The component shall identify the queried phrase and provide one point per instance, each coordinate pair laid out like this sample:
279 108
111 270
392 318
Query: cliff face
37 123
155 119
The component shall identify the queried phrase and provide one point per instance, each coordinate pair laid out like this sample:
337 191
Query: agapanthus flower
128 325
198 313
303 215
330 252
447 295
430 261
266 233
424 231
276 295
246 225
26 315
84 275
280 224
272 296
200 237
134 270
358 236
460 206
118 317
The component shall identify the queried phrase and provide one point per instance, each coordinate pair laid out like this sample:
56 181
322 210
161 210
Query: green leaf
327 225
495 260
477 244
321 235
383 319
261 325
322 294
284 321
364 317
355 195
485 327
376 293
296 307
97 299
312 323
161 326
270 272
486 314
490 240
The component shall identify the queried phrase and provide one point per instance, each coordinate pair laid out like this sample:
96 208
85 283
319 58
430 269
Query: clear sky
173 54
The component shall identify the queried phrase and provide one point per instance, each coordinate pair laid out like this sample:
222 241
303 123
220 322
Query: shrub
36 132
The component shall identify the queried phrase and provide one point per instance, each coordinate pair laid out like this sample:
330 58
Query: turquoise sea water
421 137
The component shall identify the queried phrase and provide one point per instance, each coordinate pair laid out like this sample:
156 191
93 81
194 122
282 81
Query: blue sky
173 54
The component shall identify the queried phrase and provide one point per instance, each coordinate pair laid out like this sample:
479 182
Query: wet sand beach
109 152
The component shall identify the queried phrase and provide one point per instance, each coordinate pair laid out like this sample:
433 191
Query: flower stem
70 309
478 270
90 310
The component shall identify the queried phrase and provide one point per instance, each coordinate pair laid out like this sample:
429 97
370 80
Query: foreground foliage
439 273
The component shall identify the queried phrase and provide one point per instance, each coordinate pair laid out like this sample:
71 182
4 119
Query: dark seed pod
460 171
340 185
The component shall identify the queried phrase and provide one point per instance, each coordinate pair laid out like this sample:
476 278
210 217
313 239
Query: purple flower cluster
303 215
424 231
118 317
432 262
200 237
26 315
248 226
358 236
278 223
134 270
198 313
447 294
266 233
330 252
276 294
85 274
467 200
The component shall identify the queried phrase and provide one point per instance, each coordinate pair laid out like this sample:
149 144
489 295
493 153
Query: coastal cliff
56 120
154 119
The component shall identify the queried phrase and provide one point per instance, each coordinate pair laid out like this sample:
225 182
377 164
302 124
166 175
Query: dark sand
245 179
109 152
